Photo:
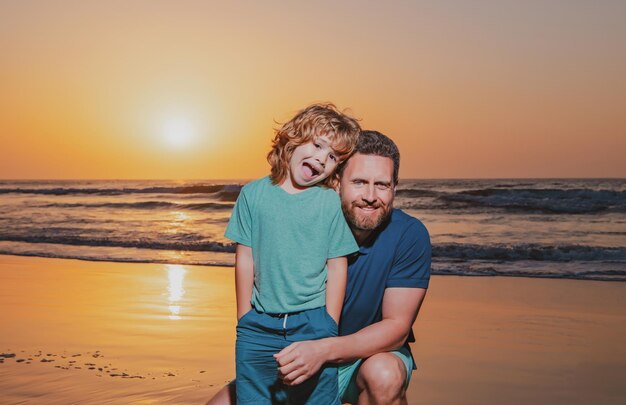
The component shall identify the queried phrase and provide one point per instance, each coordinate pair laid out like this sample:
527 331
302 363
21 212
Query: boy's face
312 162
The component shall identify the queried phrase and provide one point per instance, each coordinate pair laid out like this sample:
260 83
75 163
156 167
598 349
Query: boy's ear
337 182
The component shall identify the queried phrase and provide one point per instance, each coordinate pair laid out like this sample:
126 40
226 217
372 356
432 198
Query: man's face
367 189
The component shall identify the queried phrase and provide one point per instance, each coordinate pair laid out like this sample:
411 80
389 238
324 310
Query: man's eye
382 186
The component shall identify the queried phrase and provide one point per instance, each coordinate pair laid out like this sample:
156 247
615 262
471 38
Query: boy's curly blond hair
316 120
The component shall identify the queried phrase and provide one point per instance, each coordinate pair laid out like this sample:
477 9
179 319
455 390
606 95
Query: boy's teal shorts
261 335
348 372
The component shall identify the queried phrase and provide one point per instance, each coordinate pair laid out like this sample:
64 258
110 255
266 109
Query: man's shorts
347 375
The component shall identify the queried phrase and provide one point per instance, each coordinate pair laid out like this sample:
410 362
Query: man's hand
301 360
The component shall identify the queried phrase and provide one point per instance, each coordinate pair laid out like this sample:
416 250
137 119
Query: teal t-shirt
291 236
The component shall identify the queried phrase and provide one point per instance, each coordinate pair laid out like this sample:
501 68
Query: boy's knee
383 377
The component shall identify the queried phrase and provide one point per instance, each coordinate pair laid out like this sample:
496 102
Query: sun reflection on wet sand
175 276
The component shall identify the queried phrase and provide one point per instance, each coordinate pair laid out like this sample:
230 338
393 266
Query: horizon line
250 179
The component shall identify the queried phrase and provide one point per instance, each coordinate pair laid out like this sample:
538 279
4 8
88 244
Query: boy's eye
317 145
333 157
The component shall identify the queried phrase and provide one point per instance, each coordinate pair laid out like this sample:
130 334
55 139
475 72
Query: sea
546 228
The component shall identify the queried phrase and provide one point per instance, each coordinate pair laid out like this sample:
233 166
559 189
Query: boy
290 269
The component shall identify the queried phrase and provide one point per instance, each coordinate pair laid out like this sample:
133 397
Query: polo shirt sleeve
240 223
340 239
412 261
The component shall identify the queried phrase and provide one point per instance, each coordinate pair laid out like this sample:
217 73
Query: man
387 282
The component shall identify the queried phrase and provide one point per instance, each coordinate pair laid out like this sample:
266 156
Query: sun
178 132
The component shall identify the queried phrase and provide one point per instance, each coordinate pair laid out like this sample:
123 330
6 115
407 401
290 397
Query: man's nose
369 194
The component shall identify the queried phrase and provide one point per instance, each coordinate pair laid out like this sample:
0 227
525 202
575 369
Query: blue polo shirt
398 255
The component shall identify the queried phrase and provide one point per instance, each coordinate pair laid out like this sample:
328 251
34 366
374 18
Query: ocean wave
544 200
510 185
492 271
180 245
578 271
229 195
533 252
228 190
449 251
554 201
99 258
414 192
144 205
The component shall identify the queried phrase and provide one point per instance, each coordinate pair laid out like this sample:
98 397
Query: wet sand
115 333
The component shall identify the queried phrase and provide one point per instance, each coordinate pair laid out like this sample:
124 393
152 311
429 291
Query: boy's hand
301 360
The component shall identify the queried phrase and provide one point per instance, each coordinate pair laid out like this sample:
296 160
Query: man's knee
383 376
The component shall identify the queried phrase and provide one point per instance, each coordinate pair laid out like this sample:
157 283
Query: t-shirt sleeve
411 266
341 241
240 223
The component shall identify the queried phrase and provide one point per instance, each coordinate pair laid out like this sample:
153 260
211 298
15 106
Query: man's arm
300 360
336 286
400 308
244 278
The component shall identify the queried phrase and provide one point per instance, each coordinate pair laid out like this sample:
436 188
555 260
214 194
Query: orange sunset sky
191 89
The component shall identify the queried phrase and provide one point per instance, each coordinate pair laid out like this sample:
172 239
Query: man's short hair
377 144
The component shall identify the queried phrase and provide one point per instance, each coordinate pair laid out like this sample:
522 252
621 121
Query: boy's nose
322 157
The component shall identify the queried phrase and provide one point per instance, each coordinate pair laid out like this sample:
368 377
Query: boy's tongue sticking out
309 171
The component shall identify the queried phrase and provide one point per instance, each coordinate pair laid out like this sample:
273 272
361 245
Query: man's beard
365 222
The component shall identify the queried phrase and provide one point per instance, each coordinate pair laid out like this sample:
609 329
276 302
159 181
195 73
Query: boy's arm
336 286
244 278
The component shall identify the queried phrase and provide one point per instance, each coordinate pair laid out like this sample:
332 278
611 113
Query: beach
130 132
76 331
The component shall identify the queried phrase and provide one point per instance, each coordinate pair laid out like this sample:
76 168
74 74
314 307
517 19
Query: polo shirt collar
369 242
